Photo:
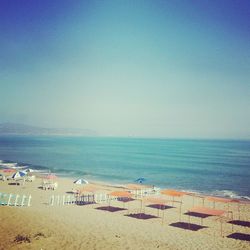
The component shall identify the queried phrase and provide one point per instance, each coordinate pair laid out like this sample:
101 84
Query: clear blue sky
142 68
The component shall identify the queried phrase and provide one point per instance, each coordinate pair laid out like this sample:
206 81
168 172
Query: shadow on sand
187 226
161 207
203 216
111 209
240 223
239 236
142 216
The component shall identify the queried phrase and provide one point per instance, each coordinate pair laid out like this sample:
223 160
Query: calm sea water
210 166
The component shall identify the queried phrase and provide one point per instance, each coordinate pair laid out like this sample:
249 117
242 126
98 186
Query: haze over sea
219 167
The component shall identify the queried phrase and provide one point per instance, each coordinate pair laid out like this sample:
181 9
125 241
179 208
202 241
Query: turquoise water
210 166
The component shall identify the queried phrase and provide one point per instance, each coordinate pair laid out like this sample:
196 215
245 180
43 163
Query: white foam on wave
220 193
229 194
8 164
20 167
16 166
39 171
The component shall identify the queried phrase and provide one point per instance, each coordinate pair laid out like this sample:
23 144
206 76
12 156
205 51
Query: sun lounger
15 200
51 186
139 190
3 199
30 178
25 201
100 198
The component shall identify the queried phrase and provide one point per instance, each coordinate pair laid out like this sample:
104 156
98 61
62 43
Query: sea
214 167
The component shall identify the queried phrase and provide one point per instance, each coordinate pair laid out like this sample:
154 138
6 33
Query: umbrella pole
141 208
239 210
163 213
221 227
180 211
109 201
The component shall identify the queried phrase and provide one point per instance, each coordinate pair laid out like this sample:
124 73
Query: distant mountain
23 129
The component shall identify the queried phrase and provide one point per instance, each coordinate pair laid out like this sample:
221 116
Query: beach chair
30 178
45 186
100 198
9 200
9 178
55 186
25 201
2 177
16 200
13 200
29 201
3 199
51 186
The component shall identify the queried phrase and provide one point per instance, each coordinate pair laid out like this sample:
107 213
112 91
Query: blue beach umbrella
140 180
18 174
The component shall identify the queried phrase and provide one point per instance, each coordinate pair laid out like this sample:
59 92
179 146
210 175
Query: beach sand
85 227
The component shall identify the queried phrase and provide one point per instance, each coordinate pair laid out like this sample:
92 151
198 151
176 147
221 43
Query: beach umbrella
88 189
87 194
174 193
18 174
81 181
121 195
157 202
140 180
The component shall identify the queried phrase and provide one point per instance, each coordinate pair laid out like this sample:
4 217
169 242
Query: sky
178 69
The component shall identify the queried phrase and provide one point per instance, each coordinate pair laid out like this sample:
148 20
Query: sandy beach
86 227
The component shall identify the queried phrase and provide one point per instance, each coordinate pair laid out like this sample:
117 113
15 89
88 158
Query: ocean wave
43 169
229 194
6 164
219 193
21 166
118 177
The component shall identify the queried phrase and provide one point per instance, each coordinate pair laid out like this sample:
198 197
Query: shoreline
42 172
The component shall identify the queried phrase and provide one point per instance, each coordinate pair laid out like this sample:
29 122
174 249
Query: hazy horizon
166 69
